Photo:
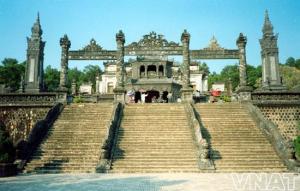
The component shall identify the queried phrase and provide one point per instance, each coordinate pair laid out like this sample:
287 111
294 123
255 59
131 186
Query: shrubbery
77 99
297 147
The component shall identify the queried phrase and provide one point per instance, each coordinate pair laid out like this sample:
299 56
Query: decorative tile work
286 117
20 120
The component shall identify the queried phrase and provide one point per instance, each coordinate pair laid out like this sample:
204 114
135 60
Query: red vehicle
215 93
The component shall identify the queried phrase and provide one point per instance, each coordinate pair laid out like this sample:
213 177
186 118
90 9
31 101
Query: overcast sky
83 20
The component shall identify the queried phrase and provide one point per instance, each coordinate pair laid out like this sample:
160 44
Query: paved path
153 182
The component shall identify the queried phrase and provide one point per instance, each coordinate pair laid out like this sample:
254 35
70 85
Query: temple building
158 76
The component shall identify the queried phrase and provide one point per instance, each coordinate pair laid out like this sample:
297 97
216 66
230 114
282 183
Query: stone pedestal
119 94
186 94
244 93
277 88
62 94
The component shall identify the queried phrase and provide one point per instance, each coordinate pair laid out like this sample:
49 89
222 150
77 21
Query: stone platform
154 182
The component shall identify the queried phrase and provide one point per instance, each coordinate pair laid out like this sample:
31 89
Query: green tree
11 73
203 67
253 74
90 73
231 72
297 64
51 78
212 78
290 75
75 75
290 62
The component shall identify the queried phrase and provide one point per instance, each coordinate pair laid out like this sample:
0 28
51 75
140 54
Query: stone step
154 170
249 163
74 142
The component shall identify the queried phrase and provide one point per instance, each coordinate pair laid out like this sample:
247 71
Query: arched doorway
142 71
152 95
151 71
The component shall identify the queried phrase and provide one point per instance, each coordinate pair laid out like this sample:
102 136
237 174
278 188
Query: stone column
243 90
241 43
65 45
271 80
186 90
185 39
97 84
119 91
74 92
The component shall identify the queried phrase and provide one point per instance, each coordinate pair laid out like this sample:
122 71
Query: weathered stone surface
19 120
271 79
74 142
34 74
236 143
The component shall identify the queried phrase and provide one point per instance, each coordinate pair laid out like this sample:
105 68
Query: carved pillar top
241 41
120 37
185 37
267 27
65 42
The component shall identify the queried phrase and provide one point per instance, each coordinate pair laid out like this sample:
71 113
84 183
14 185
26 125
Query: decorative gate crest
152 40
93 46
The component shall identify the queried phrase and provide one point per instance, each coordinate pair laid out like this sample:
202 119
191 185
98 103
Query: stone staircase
237 144
73 143
155 138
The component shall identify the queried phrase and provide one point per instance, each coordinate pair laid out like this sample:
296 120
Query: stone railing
276 98
110 141
32 99
271 131
205 162
26 148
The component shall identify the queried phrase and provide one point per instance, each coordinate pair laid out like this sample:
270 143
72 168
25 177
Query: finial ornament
36 28
38 17
185 36
120 36
65 42
268 27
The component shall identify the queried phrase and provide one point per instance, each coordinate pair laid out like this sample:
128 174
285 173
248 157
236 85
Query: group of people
142 97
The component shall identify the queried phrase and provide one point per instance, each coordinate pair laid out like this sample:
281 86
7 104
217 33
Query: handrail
37 135
205 163
109 142
271 131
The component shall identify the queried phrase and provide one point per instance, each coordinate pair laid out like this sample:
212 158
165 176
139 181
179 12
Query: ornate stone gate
153 45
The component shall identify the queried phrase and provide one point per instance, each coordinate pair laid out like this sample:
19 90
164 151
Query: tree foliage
231 73
203 67
88 75
11 72
51 78
290 76
292 62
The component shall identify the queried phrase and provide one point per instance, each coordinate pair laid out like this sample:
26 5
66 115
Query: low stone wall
19 120
282 108
21 111
286 117
272 132
29 99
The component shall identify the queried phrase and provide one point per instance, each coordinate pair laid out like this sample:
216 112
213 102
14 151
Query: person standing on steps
143 97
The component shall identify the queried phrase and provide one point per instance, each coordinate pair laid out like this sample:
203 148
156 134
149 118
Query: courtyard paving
153 182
